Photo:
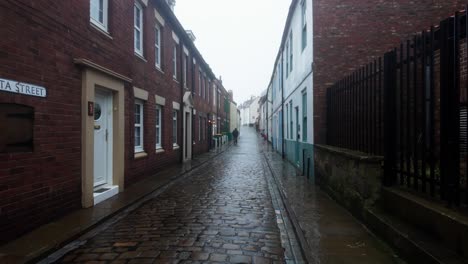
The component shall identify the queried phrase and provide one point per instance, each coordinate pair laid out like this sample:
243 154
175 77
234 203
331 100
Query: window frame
174 62
199 128
141 104
104 25
157 47
185 69
175 141
291 56
139 7
159 126
304 24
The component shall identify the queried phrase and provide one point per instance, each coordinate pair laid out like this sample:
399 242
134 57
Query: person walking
235 134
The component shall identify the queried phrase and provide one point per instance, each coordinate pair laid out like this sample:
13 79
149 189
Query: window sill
101 30
159 69
175 80
175 146
140 155
159 150
140 57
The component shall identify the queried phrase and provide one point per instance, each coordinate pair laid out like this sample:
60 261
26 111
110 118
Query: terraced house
290 89
95 96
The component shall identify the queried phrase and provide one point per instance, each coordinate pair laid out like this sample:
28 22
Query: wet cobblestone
221 212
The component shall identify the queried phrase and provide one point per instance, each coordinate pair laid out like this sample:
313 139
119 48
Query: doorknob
97 127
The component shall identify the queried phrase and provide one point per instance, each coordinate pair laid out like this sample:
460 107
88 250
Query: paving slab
330 233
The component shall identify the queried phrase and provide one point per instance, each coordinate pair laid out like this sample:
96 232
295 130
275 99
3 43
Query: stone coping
352 154
50 237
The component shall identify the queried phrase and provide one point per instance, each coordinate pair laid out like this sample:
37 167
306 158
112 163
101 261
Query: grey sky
238 38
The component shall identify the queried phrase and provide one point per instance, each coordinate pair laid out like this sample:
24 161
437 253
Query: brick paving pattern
222 212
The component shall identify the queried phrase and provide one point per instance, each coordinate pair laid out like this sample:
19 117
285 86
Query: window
202 80
204 88
199 80
16 126
214 94
185 70
138 126
98 13
138 29
304 24
158 127
304 117
205 124
287 60
157 47
174 127
199 128
291 52
291 123
174 62
208 91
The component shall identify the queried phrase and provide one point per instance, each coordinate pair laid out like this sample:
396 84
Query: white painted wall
297 81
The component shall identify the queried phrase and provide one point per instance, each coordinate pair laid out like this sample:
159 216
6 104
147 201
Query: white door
102 137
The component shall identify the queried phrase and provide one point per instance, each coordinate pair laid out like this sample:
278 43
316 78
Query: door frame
187 127
97 77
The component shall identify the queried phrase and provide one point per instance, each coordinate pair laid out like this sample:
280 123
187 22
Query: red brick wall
40 39
351 33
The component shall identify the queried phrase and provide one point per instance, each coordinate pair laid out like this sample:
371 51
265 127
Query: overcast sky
238 38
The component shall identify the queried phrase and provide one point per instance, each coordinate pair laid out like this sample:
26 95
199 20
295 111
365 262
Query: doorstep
48 238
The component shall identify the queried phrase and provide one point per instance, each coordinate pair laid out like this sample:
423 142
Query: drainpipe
181 110
282 107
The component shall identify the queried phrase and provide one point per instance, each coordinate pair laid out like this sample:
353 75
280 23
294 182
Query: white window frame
174 128
140 148
202 80
199 81
105 11
157 46
174 62
138 27
291 56
204 87
185 66
304 24
287 59
159 126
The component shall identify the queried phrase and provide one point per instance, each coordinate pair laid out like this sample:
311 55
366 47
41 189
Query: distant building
249 111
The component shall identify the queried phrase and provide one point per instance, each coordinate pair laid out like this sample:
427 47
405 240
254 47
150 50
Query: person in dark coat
235 134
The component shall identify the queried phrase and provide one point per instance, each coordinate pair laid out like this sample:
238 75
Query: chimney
171 4
191 35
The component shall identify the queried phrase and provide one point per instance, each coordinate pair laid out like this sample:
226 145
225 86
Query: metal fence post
450 110
390 75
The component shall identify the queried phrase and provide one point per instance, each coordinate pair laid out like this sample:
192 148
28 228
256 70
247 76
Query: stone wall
352 178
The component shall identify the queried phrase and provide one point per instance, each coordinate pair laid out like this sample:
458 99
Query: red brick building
350 33
93 98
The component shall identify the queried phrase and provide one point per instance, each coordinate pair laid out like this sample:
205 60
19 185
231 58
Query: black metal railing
410 107
355 110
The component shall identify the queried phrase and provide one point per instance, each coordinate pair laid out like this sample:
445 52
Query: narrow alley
227 210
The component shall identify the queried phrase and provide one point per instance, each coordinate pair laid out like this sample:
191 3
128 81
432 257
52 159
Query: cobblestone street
230 210
221 212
